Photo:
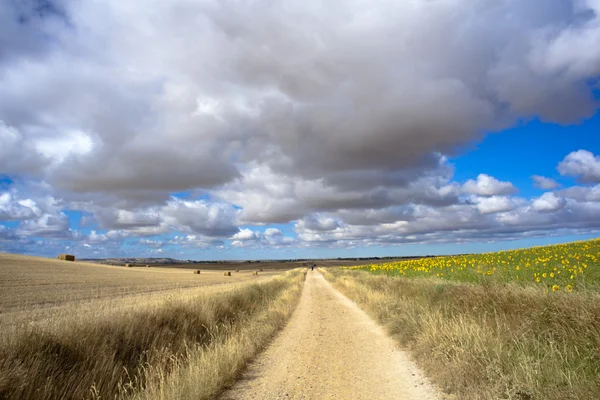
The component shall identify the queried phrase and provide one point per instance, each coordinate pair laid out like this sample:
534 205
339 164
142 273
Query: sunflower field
561 267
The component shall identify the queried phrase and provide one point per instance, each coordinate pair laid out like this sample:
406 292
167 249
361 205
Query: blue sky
530 148
199 130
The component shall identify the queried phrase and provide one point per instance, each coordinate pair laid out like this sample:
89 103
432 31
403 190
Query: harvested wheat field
71 330
33 283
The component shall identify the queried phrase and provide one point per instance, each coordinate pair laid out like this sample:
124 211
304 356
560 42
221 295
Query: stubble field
81 330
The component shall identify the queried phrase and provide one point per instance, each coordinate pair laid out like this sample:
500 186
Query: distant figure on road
312 267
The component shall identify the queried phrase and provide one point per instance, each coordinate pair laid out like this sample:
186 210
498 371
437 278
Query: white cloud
266 111
273 232
548 202
7 233
291 85
15 209
95 237
17 155
246 234
495 204
211 219
267 196
581 164
47 225
194 241
486 185
566 51
582 193
272 237
545 183
60 148
318 223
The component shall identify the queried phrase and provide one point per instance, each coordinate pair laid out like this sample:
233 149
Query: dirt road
331 350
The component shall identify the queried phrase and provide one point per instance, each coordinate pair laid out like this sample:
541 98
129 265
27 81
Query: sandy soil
332 350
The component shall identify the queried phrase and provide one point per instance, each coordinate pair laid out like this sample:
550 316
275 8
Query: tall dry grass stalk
147 349
204 371
491 341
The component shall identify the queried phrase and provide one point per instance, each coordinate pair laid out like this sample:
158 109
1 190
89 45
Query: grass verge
488 341
194 345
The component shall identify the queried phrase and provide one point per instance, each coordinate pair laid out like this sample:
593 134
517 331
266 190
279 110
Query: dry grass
206 370
488 341
118 354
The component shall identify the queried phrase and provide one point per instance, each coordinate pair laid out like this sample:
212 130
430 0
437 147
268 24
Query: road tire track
331 349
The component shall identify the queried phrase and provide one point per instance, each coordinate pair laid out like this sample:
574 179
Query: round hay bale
255 273
237 270
260 270
197 272
128 265
228 273
147 266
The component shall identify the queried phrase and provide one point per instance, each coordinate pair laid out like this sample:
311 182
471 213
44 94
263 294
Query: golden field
87 331
35 288
27 282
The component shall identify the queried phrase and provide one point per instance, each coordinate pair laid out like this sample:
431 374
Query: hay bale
147 266
66 257
197 272
255 273
129 265
237 270
228 273
260 270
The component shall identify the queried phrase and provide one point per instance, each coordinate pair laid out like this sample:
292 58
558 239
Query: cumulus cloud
267 196
14 209
548 202
318 223
581 164
495 204
210 219
196 216
7 233
126 219
95 237
545 183
582 193
195 242
486 185
275 112
292 84
16 154
273 232
547 215
271 237
48 225
40 216
246 234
